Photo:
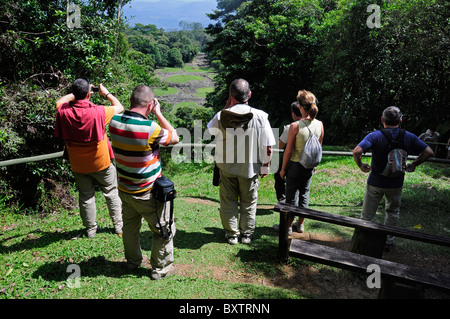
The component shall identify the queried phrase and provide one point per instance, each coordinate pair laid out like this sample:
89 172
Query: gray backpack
312 152
397 156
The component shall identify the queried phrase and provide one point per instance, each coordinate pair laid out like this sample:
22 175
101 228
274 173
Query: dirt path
186 91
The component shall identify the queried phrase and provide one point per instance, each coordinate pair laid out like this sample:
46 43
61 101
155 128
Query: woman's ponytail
309 102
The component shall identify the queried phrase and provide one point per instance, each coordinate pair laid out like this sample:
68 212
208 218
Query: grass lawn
185 78
187 104
163 92
36 251
169 70
203 91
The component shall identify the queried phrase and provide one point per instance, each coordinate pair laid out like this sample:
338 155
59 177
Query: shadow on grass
93 267
38 239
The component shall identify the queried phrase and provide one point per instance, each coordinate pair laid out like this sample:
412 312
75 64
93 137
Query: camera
95 89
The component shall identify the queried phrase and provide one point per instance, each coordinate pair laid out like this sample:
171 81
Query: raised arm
65 99
164 123
115 103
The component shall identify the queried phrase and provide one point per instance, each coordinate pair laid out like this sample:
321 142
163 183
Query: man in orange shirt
81 124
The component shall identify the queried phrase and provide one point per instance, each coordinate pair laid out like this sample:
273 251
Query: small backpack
397 156
312 151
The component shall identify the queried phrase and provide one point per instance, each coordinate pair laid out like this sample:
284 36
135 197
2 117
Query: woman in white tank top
298 178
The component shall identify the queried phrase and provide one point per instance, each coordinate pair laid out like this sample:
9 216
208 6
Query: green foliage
35 39
360 71
174 58
185 117
270 44
326 46
167 49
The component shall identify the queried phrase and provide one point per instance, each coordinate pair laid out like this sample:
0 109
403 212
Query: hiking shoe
232 240
246 239
144 262
277 228
156 276
91 234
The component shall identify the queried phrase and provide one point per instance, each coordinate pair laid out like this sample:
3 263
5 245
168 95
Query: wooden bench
362 254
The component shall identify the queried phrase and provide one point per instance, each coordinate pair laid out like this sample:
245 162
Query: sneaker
246 239
277 228
232 240
300 228
156 276
144 262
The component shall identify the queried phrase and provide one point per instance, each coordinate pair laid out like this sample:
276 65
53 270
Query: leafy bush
48 56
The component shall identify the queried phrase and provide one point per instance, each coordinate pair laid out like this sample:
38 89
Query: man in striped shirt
135 140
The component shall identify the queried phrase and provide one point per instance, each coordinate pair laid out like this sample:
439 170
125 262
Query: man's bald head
240 90
141 96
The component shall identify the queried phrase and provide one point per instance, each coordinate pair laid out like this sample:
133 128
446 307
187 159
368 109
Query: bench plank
359 263
361 224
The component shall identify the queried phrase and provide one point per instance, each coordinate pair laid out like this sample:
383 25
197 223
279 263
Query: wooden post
392 289
368 243
283 235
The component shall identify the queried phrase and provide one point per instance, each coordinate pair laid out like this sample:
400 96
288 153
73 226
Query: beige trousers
372 199
107 180
238 195
145 206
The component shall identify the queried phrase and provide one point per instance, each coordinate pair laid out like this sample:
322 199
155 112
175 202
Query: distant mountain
167 14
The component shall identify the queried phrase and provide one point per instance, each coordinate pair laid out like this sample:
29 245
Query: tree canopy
328 47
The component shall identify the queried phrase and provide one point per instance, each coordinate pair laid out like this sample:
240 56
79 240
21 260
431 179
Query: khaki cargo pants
372 199
107 180
238 200
145 206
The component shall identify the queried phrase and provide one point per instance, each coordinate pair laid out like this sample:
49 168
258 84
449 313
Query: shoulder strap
387 134
400 136
307 126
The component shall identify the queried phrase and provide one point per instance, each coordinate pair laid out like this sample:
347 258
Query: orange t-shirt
90 157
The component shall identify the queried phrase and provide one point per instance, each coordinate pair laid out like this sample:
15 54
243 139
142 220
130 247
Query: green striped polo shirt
135 141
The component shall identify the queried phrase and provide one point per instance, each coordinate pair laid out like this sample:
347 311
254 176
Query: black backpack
164 191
